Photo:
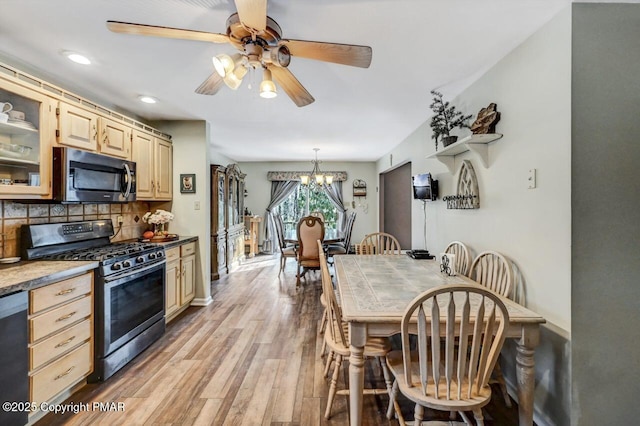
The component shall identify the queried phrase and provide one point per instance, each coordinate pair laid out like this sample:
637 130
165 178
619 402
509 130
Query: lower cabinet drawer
58 318
187 249
61 374
63 291
58 344
172 254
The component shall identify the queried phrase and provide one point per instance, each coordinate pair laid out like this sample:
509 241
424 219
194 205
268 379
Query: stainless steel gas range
129 286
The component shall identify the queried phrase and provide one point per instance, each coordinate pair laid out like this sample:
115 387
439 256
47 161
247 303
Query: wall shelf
474 143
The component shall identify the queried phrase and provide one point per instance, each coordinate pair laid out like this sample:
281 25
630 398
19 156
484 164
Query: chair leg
386 373
332 388
418 414
499 378
477 414
328 364
392 399
283 261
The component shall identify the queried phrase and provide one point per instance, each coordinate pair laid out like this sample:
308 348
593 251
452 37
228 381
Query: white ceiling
359 114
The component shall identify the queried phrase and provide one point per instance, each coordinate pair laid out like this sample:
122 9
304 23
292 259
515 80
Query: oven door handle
129 180
130 273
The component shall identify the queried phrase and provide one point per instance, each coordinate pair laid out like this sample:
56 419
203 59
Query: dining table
375 291
331 236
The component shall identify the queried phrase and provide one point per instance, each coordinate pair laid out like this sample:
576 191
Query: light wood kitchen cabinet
84 129
188 266
172 285
181 279
25 145
115 138
77 127
154 166
164 169
60 337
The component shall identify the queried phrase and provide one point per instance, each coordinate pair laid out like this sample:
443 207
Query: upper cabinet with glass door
27 131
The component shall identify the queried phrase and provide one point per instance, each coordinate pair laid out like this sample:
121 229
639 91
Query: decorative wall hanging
188 183
486 121
467 194
359 188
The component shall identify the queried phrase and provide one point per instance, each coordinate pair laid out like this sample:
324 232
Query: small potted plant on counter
158 219
445 118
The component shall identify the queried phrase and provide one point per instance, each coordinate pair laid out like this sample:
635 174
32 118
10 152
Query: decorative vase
448 140
158 229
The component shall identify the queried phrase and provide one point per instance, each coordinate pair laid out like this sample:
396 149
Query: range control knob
139 259
160 254
116 266
152 255
126 264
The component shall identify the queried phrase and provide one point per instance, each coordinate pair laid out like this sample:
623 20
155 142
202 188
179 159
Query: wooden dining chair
379 243
460 331
310 229
286 250
494 271
342 247
337 338
317 214
463 257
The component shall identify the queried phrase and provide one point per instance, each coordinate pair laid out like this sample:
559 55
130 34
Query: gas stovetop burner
88 240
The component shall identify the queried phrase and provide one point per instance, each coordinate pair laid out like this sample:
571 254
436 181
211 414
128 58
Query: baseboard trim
201 302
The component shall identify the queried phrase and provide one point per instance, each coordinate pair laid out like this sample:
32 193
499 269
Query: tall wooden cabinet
227 220
153 157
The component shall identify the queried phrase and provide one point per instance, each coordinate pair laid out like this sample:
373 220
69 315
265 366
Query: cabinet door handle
66 342
95 133
184 270
67 291
66 317
60 376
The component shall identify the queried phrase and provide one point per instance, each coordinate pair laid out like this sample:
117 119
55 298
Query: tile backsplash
14 214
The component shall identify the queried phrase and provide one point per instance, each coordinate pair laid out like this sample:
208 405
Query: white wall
191 155
259 189
532 89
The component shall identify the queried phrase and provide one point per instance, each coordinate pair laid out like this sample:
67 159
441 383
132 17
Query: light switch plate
196 205
532 178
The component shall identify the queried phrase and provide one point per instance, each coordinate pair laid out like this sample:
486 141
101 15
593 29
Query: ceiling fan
259 41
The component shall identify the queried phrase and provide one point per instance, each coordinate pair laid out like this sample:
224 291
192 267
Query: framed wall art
188 183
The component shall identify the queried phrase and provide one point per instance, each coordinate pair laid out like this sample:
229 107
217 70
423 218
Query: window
295 206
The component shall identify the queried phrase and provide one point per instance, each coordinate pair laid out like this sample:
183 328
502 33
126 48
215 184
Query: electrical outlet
196 205
120 220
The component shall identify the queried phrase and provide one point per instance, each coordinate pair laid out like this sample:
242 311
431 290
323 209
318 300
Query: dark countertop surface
169 244
30 274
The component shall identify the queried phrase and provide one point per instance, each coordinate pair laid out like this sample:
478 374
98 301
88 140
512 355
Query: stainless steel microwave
85 177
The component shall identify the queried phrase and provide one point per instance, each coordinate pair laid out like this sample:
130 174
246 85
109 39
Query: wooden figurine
486 121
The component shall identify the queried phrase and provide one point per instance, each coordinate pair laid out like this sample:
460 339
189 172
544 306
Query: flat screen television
424 187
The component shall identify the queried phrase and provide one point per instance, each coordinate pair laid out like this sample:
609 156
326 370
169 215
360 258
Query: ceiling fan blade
211 85
155 31
253 14
291 86
345 54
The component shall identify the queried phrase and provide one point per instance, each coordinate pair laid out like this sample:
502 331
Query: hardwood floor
252 357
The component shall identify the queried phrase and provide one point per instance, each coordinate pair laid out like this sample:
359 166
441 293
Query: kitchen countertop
180 241
27 275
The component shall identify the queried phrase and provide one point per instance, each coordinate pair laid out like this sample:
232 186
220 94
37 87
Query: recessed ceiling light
147 99
76 57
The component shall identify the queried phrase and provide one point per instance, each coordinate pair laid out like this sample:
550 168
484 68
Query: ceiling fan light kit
259 40
267 87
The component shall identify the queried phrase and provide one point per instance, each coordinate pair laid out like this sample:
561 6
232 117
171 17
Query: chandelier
316 175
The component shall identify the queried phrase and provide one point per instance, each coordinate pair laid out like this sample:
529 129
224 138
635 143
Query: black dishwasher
14 356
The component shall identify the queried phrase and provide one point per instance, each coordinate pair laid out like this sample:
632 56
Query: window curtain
280 190
334 192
